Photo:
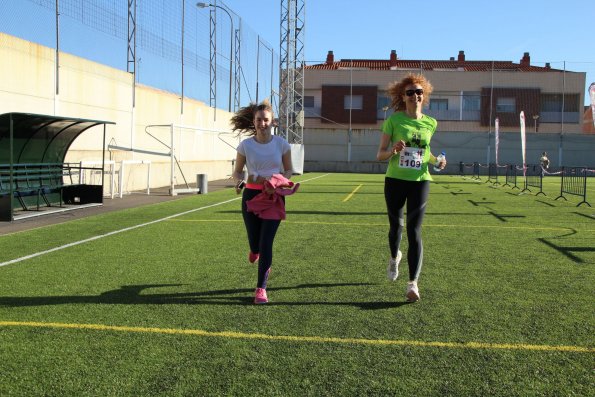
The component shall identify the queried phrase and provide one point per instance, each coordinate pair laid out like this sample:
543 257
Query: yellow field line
565 229
291 338
352 193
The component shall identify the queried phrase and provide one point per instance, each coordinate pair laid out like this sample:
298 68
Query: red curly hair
396 90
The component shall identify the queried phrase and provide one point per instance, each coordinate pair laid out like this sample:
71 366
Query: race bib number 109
411 157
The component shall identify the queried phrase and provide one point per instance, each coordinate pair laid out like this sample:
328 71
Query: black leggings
396 192
261 233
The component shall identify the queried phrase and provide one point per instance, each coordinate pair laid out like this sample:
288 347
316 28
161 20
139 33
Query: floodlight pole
231 35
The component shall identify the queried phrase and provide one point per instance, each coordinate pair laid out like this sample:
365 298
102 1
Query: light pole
535 117
205 5
385 108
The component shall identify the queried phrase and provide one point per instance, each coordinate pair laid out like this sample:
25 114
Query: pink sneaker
260 296
252 257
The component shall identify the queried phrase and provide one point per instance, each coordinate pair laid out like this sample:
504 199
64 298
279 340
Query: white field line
23 258
75 243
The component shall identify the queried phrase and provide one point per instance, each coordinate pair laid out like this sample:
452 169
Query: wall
451 84
327 150
93 91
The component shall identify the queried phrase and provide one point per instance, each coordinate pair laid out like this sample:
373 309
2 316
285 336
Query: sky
436 29
561 33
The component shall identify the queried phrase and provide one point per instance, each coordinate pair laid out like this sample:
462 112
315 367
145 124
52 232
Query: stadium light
205 5
535 117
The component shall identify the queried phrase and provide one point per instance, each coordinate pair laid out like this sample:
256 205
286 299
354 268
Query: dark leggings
396 192
261 233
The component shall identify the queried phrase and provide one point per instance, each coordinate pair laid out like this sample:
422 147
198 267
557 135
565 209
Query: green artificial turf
506 309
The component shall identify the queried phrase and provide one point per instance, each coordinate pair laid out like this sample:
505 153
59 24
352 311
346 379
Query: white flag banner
522 120
592 95
497 129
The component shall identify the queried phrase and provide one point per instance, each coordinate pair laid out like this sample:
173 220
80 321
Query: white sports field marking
316 177
23 258
297 338
126 229
350 195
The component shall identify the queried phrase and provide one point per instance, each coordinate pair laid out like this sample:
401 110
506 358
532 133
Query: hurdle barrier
476 171
511 174
534 178
493 173
574 181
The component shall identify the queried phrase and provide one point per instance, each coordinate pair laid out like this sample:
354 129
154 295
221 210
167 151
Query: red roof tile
470 66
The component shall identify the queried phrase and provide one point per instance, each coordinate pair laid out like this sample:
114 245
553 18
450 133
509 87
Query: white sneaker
412 294
392 271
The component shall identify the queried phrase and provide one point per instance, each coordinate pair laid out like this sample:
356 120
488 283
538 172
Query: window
553 102
505 105
382 101
471 101
308 101
438 104
354 102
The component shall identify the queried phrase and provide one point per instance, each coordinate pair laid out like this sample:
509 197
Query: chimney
461 56
393 58
330 58
452 58
526 61
547 65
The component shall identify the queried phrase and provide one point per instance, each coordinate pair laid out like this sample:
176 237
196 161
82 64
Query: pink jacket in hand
272 206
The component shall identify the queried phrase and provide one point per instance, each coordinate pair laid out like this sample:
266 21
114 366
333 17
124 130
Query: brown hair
396 90
243 120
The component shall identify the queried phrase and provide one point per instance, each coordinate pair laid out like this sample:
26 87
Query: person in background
544 161
405 142
263 154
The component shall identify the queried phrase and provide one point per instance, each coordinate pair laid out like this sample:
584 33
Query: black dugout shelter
33 174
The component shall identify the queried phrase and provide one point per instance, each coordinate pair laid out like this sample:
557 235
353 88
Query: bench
35 183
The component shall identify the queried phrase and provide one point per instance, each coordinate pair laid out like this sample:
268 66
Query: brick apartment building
468 95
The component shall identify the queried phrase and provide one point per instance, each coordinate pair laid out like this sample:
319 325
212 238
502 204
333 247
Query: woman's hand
442 164
397 147
239 186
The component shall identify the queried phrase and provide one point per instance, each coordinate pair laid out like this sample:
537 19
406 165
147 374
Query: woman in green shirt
405 142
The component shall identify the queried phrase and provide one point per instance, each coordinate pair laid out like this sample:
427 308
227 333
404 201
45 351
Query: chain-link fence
207 53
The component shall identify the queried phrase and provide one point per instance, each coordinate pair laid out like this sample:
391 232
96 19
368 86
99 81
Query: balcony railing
467 115
454 115
556 117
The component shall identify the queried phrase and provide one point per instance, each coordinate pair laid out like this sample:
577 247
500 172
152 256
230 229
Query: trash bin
202 182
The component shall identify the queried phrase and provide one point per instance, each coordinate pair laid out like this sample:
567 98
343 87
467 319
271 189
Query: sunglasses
418 91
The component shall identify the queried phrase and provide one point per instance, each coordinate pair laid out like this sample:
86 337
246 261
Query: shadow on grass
585 215
131 295
545 203
504 218
568 251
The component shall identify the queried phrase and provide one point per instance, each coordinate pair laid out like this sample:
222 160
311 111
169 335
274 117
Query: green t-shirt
412 164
